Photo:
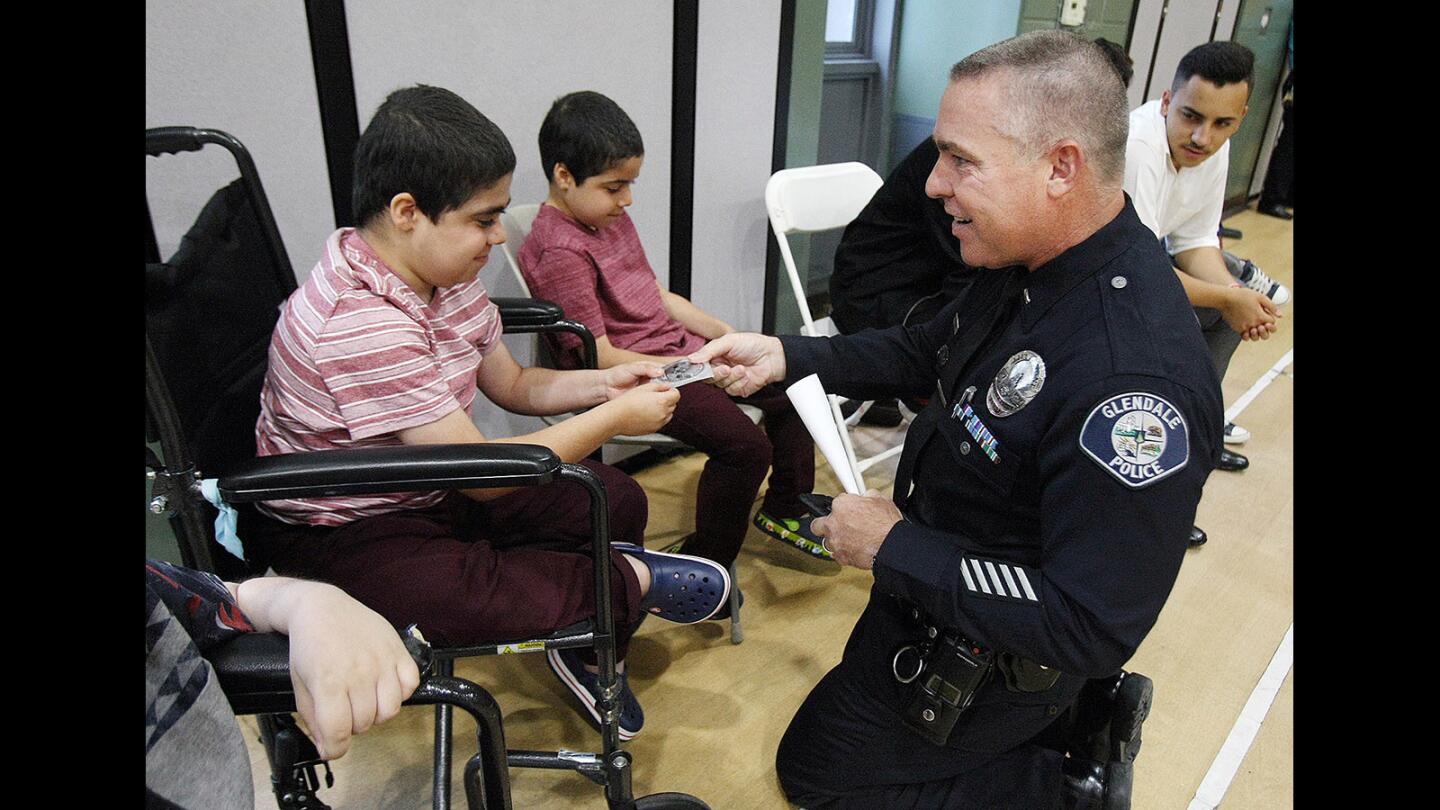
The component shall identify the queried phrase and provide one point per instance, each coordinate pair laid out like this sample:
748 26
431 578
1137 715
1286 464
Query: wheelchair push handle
172 140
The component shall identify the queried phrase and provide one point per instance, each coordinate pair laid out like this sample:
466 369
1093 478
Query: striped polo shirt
356 357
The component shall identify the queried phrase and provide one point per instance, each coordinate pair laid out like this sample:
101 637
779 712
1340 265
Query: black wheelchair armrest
411 468
528 312
532 315
254 671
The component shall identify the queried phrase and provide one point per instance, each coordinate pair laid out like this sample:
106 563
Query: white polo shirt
1182 206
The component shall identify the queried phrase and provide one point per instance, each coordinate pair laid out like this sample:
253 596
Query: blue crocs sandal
585 686
795 532
683 589
721 615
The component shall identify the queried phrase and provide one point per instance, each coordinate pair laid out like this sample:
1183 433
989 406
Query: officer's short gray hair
1057 85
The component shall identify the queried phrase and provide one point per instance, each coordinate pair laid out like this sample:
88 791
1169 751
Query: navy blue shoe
585 686
683 589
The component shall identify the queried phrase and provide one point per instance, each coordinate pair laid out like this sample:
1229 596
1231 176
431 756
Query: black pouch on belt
1024 675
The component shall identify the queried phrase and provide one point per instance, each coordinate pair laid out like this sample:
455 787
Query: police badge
1139 438
1017 382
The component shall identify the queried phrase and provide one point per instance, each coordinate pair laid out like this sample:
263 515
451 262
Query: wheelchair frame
249 673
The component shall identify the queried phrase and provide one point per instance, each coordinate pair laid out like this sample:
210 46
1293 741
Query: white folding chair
518 220
821 198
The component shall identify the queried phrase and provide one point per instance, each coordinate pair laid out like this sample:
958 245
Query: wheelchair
210 311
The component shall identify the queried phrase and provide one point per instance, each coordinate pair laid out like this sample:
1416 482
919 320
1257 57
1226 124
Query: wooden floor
715 711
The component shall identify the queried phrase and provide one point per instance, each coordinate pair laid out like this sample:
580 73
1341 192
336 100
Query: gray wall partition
244 68
511 60
734 142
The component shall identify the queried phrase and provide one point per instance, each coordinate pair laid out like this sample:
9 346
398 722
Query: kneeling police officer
1045 495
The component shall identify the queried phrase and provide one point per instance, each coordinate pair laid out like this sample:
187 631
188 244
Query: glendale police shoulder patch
1139 438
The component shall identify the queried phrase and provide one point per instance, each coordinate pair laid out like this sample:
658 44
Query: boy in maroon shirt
584 254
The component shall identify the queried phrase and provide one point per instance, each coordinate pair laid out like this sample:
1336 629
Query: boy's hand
349 667
743 362
1250 313
644 409
622 378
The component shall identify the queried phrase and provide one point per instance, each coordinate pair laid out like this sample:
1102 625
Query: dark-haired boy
585 254
386 344
1177 160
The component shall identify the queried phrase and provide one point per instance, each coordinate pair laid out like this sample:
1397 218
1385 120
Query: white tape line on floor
1222 771
1246 398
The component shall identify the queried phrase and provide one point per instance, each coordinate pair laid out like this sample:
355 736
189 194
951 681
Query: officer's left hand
856 527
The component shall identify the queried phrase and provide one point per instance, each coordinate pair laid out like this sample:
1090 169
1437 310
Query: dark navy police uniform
1051 532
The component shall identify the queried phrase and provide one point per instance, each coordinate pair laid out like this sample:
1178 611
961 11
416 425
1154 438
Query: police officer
1045 496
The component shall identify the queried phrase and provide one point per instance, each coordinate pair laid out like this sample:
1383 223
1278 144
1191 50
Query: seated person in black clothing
896 253
897 262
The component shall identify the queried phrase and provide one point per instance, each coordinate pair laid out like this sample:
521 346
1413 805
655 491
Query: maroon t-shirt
602 279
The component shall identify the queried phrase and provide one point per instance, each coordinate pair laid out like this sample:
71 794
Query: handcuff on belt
954 669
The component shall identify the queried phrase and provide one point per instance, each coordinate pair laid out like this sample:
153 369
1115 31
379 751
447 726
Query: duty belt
1021 674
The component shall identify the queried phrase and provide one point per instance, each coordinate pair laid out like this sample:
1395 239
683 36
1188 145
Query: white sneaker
1252 277
1234 434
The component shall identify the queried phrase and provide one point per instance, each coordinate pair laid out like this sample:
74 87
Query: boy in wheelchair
385 344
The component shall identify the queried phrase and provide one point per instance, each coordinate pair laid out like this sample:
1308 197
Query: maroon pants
740 453
468 572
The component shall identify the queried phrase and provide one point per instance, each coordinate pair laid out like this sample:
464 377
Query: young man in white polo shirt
1176 162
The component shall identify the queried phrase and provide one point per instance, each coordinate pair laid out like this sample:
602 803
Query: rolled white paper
814 409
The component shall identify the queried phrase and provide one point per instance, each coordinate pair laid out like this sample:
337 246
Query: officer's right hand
743 362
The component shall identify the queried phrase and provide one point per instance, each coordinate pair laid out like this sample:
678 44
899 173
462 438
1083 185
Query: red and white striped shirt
356 357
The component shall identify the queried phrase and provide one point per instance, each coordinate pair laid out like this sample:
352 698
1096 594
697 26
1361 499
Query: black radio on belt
944 681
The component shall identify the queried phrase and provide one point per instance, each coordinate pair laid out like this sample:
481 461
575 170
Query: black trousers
847 749
1280 176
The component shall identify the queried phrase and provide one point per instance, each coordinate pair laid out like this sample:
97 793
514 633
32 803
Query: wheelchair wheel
670 801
